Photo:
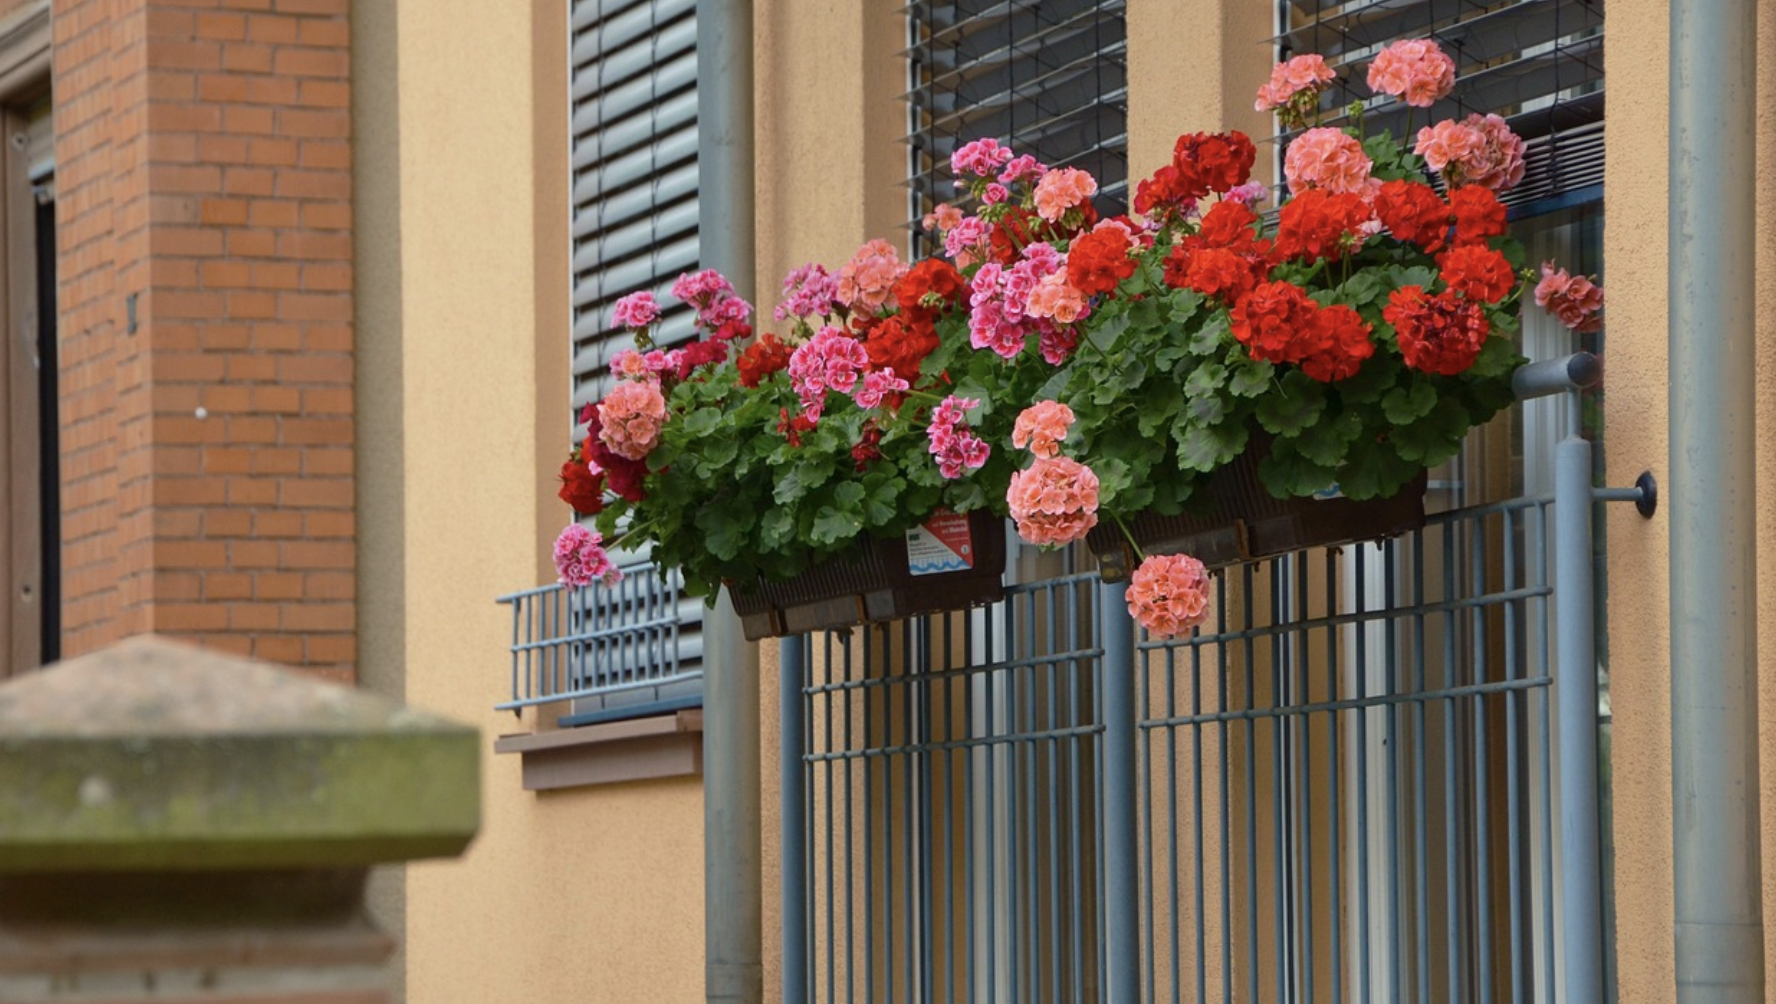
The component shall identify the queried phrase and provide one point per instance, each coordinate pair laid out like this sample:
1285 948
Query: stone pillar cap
154 755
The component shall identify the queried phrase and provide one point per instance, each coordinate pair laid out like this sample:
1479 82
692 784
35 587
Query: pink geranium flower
808 291
868 279
1327 158
1042 426
875 386
1480 150
1053 298
1055 501
631 416
1061 190
580 558
635 311
981 158
1414 70
831 360
1573 299
1169 594
953 442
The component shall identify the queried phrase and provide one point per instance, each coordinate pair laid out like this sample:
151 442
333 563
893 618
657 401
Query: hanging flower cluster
1357 333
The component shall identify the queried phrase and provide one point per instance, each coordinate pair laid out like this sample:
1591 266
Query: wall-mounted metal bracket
1644 494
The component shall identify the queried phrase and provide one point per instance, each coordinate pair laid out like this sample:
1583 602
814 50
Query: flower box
883 581
1238 520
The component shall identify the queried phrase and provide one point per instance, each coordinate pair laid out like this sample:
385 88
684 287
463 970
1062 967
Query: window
634 199
634 107
1050 78
1537 63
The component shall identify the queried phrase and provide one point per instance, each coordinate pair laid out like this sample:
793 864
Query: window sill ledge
638 750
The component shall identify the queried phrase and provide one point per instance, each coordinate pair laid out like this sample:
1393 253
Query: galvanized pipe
1718 867
791 738
1576 697
732 885
1122 865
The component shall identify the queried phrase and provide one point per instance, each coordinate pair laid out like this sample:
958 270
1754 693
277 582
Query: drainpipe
1719 925
731 892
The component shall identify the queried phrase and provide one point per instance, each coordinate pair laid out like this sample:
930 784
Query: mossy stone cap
156 755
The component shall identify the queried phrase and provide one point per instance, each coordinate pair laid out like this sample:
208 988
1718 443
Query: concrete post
178 825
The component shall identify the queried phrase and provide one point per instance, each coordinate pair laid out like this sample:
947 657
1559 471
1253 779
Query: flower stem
1128 535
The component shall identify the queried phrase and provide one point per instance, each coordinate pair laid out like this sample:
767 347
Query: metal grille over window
634 171
619 651
1050 78
1536 63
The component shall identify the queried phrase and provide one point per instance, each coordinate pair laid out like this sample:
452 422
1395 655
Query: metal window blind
1537 63
1050 77
634 151
634 95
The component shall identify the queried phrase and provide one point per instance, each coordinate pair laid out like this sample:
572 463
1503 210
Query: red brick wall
204 168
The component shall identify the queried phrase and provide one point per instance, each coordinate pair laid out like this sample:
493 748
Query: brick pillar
204 214
188 827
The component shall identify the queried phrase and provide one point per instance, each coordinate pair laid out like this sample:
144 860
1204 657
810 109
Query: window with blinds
634 171
1536 63
1048 76
634 150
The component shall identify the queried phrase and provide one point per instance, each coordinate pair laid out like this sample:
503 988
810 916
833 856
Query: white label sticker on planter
942 544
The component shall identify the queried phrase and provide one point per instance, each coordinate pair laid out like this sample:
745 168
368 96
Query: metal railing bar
1348 704
579 694
1251 801
1391 616
985 668
1334 781
1449 794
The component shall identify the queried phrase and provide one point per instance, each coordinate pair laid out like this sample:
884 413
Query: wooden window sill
637 750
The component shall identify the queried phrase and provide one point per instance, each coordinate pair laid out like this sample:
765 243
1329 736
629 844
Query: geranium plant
1353 342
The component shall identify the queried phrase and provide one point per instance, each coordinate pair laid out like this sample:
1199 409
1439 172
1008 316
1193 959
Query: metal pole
1576 692
1717 863
1122 878
732 892
795 833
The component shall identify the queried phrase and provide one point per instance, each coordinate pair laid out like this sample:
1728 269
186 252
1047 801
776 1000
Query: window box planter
882 581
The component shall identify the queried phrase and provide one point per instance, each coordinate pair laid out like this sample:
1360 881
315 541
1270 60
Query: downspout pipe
732 893
1717 862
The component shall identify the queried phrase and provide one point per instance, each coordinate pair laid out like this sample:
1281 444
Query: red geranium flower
1218 272
1479 214
1163 194
761 359
1217 161
581 488
1315 224
929 288
866 451
1273 319
1413 213
900 344
1438 334
1477 272
700 354
1097 261
1228 224
1343 343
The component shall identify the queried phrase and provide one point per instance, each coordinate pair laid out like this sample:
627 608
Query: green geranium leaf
1434 438
1131 374
776 527
880 494
1160 401
1377 473
702 422
801 479
1205 339
1205 448
1293 406
725 529
1205 380
1378 375
1498 357
1106 334
1326 441
1208 409
1251 378
834 525
1288 474
1405 405
1143 314
1362 289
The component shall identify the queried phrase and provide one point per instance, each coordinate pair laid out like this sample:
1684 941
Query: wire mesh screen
950 771
1049 77
1536 63
1347 776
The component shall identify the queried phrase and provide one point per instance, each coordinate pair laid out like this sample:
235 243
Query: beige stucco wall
590 895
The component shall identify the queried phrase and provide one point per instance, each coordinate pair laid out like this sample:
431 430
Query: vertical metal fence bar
1420 805
1121 855
1550 935
1576 692
1226 745
1334 783
1304 774
1513 812
1279 789
792 737
1196 773
1076 714
1361 672
1482 793
1250 728
1452 835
